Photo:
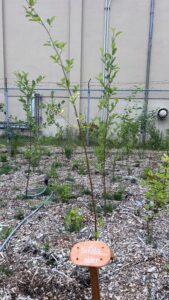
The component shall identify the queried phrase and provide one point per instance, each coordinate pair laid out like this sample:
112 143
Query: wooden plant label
91 254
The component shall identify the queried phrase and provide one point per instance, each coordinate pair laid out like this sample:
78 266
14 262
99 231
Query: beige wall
81 24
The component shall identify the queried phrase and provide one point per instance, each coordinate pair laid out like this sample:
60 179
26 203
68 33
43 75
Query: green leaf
50 20
48 43
55 58
32 2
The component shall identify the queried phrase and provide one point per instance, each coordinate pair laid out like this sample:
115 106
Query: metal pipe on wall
106 39
148 67
4 64
88 113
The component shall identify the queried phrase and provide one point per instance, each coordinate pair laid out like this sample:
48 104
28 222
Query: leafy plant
82 167
146 172
129 128
107 106
167 268
152 137
5 270
63 192
5 232
73 220
115 178
19 214
3 158
52 170
46 246
86 191
68 151
157 193
5 169
109 196
75 165
27 88
53 109
118 195
73 93
70 178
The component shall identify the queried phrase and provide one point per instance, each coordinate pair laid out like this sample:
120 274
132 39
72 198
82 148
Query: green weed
73 220
6 169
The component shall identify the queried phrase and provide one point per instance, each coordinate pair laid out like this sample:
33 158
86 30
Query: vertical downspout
146 94
81 54
88 113
106 40
107 25
105 34
4 63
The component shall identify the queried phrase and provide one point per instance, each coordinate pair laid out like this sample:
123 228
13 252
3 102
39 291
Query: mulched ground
36 262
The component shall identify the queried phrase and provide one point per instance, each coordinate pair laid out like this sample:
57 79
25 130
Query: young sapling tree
27 88
157 193
128 127
108 105
66 67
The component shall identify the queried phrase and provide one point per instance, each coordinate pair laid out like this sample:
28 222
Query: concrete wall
80 23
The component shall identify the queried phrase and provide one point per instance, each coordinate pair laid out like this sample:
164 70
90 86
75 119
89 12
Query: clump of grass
70 178
118 195
68 151
86 191
109 208
5 169
19 214
115 178
80 166
5 232
3 158
109 196
63 192
5 270
73 220
167 268
145 173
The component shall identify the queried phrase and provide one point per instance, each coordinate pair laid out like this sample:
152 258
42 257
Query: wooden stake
94 278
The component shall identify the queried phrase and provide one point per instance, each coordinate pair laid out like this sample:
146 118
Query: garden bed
36 263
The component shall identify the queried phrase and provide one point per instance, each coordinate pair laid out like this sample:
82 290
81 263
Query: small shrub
73 220
52 171
5 270
75 165
145 173
57 164
118 195
3 158
157 195
68 152
167 268
70 178
86 191
109 196
5 169
27 154
63 191
19 214
115 178
46 246
82 168
109 208
46 152
5 232
133 180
